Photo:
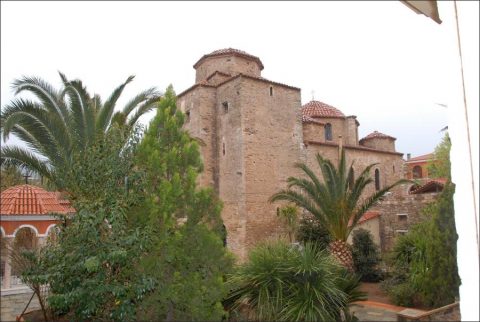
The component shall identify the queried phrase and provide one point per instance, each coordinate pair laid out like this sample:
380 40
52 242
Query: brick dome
32 200
320 109
375 135
230 52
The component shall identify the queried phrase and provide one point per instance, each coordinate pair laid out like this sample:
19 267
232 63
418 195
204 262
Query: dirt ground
374 293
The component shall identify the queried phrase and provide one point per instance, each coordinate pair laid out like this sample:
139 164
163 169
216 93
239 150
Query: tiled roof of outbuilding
32 200
230 51
320 109
425 157
376 134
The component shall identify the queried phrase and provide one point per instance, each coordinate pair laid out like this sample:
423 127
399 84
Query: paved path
375 311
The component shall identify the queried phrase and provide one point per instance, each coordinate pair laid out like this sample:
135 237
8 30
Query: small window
401 232
187 118
271 91
223 149
328 132
393 168
225 106
402 217
377 179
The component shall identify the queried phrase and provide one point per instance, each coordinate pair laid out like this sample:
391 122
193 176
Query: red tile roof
229 52
308 119
376 134
320 109
425 157
32 200
353 147
366 216
369 215
432 185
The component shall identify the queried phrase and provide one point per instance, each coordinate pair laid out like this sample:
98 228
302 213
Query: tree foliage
312 230
58 123
425 261
366 256
440 166
185 256
10 176
90 266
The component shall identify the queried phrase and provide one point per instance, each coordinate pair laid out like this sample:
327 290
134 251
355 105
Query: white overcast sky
377 60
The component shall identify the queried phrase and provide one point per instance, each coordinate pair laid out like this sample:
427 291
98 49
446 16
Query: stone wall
399 212
231 65
384 144
13 304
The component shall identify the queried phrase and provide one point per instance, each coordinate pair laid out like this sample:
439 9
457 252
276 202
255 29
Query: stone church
252 131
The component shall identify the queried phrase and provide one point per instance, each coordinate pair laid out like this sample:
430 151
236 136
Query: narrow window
187 114
225 106
328 132
223 150
271 91
377 179
417 172
393 168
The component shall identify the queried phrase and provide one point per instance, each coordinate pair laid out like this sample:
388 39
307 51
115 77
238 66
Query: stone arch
2 232
52 232
26 226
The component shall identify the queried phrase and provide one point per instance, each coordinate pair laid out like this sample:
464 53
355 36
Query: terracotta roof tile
32 200
432 185
366 216
320 109
425 157
353 147
376 134
229 51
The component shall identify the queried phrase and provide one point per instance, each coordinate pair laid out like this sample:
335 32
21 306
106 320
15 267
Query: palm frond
21 158
105 113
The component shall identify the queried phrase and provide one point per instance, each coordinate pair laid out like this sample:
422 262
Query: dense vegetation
337 201
282 282
425 260
366 256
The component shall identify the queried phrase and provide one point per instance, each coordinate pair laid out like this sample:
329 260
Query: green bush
311 230
281 282
366 256
424 260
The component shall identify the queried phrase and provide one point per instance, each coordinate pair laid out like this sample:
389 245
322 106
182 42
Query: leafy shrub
424 260
285 283
366 256
311 230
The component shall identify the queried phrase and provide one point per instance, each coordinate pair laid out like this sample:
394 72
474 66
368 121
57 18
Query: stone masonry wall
200 104
273 143
399 212
232 65
383 144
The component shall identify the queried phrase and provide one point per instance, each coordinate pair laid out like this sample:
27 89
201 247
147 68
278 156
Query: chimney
408 156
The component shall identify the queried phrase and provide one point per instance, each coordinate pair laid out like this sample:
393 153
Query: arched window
377 179
328 132
417 172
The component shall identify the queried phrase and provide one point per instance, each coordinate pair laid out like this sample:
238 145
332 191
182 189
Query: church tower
250 134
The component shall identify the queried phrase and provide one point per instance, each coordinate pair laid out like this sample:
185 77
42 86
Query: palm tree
281 282
61 122
336 202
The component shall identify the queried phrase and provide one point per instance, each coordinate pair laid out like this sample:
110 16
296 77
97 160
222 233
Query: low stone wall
13 303
449 312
